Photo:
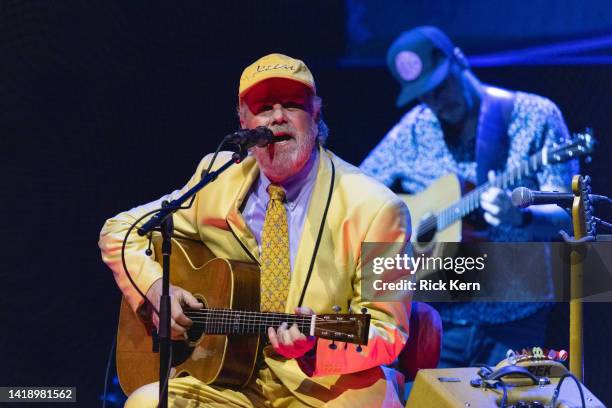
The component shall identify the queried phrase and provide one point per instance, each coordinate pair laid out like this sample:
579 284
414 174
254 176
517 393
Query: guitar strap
492 142
316 247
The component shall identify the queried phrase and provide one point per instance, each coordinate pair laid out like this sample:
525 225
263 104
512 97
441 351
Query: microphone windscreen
264 136
521 197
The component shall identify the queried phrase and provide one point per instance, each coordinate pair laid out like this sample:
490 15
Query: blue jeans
466 345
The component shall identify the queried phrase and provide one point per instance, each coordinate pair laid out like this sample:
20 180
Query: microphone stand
582 212
163 222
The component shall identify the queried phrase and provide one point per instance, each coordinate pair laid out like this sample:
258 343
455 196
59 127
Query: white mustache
285 128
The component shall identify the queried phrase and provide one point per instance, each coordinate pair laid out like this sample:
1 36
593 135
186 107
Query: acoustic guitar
223 343
437 212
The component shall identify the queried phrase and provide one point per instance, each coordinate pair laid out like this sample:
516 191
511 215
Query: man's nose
278 114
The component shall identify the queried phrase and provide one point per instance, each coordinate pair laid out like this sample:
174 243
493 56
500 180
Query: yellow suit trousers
266 390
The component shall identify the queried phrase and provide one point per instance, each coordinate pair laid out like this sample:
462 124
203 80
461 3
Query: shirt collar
293 185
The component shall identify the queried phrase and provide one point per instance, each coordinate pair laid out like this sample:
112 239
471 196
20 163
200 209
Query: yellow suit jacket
361 210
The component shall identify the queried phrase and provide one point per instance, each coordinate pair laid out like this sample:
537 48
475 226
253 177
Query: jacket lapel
234 218
310 232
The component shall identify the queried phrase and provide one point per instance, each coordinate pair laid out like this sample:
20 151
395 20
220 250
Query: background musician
463 126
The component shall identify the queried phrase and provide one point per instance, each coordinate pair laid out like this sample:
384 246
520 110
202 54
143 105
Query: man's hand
179 297
290 342
498 206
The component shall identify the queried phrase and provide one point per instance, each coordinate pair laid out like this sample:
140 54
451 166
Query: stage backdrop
105 105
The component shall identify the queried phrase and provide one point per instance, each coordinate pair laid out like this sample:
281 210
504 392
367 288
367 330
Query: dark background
105 105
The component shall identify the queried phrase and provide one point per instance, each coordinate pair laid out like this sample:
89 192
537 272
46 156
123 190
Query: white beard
282 160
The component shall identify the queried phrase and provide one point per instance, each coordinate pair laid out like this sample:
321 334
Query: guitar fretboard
471 201
226 321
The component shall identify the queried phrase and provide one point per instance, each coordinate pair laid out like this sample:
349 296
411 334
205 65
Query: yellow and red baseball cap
277 66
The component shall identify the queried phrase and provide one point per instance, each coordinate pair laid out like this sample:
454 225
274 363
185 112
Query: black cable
204 174
125 268
602 198
127 272
504 400
601 222
127 234
108 365
485 366
321 227
558 389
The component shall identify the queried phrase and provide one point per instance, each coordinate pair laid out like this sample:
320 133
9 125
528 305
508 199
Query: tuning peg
336 308
358 348
350 310
333 345
364 310
588 159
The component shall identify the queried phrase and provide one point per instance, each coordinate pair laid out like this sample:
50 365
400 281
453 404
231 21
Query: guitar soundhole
201 299
194 333
426 231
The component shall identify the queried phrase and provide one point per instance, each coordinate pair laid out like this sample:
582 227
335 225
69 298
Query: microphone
523 197
246 138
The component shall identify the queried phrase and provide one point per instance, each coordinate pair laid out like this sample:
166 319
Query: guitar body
221 359
442 192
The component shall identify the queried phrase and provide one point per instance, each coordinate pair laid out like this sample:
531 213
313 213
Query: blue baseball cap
419 59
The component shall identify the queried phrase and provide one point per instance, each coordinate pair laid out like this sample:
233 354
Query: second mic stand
584 231
163 222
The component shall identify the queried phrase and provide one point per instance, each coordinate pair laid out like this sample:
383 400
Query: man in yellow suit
302 214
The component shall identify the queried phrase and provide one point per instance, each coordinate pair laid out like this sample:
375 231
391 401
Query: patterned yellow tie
275 264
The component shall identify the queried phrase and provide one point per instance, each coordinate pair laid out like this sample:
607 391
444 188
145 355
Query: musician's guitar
224 340
437 212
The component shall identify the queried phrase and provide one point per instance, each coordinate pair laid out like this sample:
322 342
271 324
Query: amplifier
452 388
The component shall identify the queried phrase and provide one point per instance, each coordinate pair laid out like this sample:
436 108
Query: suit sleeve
143 269
389 323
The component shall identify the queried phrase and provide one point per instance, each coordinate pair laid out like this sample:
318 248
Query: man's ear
240 111
316 115
316 111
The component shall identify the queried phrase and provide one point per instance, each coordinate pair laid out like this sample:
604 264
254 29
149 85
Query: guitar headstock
348 328
581 144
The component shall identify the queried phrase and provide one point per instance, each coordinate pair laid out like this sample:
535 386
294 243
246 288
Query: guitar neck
350 328
227 321
471 201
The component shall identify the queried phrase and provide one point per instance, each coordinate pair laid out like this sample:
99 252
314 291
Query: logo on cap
409 65
261 68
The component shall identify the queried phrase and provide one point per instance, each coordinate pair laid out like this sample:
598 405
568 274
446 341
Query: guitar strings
230 315
262 314
470 201
223 320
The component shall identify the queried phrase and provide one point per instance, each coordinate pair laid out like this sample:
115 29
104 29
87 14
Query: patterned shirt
415 153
